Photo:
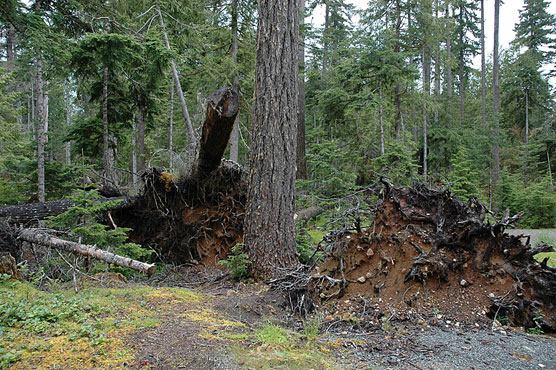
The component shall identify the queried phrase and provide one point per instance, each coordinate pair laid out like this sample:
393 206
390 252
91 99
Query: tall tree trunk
301 172
10 47
549 166
325 37
41 193
461 70
426 95
380 122
171 130
184 110
106 155
526 116
134 176
269 225
449 81
496 97
397 86
483 67
234 139
141 112
68 122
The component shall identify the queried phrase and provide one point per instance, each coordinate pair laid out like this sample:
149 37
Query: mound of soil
427 252
195 220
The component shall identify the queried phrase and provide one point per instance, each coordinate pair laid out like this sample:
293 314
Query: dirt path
534 233
222 327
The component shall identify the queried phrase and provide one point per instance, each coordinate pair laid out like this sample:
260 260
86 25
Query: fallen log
306 214
39 211
38 236
222 109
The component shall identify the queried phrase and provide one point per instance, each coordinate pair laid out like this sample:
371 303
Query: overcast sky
509 16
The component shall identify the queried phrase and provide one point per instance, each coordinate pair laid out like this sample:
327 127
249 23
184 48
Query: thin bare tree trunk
449 82
38 236
483 67
185 112
380 123
496 97
41 193
171 130
68 122
426 94
461 71
549 166
140 137
134 177
234 140
526 116
106 155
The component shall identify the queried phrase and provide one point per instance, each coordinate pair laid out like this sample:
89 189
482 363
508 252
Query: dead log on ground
38 211
38 236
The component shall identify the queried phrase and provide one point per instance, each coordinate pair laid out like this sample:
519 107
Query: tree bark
41 193
184 110
397 86
483 67
134 175
301 163
426 94
496 97
222 109
234 141
39 211
37 236
270 228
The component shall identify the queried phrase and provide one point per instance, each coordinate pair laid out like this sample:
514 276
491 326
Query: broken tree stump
38 236
222 109
9 266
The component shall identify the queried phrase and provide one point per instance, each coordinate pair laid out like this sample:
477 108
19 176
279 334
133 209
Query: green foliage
237 262
272 335
82 221
537 200
462 177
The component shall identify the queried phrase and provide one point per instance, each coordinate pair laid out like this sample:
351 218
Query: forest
171 167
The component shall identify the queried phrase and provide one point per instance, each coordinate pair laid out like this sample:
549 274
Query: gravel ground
451 348
534 233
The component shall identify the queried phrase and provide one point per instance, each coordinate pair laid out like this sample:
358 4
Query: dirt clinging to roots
425 252
189 221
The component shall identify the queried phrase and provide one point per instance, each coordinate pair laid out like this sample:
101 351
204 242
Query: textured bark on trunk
184 110
38 236
41 193
397 87
483 67
222 109
270 228
134 175
380 123
39 211
106 156
496 97
301 163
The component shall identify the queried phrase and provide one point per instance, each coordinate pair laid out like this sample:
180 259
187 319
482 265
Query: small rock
368 275
542 366
362 279
503 332
370 252
344 333
463 282
438 316
491 295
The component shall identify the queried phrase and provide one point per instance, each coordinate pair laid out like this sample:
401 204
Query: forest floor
197 319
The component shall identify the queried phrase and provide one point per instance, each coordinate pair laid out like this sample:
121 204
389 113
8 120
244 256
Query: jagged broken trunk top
425 251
